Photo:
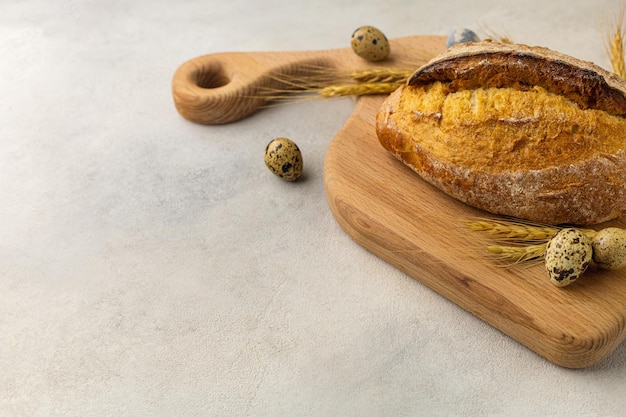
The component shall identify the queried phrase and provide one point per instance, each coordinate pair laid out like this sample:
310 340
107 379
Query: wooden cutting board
390 211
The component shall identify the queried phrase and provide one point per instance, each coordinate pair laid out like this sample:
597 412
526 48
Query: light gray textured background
150 266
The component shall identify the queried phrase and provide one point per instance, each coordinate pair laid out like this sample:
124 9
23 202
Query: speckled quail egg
461 36
568 255
609 248
370 43
284 159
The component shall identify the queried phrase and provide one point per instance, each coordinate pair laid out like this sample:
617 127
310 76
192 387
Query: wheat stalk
518 241
615 47
312 81
513 230
381 75
491 34
358 89
512 255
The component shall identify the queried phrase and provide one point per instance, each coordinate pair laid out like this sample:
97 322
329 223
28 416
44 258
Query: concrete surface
150 266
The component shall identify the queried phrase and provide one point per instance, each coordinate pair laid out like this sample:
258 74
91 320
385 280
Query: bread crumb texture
497 130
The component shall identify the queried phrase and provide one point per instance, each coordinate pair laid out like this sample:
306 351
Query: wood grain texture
226 87
389 210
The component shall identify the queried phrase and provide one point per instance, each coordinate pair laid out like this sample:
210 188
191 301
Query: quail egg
461 36
609 248
568 255
284 159
370 43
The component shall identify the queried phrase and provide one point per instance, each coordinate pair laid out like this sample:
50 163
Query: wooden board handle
225 87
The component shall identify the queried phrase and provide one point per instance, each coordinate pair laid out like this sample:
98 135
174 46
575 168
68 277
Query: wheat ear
517 241
616 50
513 230
359 89
513 255
381 75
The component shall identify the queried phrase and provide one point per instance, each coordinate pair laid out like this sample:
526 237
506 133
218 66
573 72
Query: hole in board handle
211 75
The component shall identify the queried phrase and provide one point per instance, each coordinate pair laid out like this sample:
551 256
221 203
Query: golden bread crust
491 64
532 152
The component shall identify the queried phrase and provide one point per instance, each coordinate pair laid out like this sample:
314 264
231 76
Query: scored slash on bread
514 130
492 64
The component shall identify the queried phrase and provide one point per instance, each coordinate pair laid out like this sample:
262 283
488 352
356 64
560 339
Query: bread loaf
514 130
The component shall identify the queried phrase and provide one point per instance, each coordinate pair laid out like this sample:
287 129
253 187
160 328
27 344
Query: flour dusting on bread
514 130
